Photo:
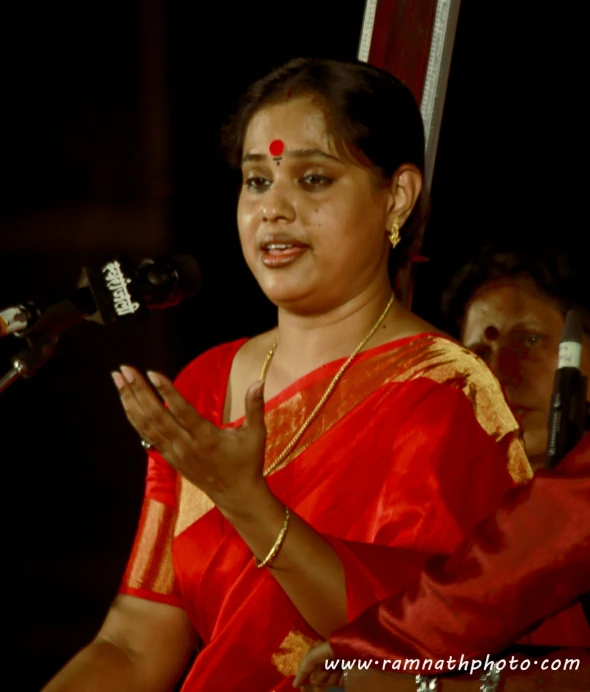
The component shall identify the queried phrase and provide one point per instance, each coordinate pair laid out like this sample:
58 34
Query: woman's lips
520 412
279 257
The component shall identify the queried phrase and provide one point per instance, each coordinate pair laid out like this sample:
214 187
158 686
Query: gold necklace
289 448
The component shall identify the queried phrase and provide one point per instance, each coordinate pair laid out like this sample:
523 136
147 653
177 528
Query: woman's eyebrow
296 153
528 322
254 157
311 153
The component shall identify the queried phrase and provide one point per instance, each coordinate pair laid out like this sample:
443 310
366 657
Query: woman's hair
557 274
371 115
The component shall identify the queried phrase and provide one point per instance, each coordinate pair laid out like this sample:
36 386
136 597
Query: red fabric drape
527 562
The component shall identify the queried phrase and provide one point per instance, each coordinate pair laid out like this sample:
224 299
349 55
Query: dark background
109 140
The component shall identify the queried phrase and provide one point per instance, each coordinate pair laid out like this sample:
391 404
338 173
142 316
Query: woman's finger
254 419
313 661
320 676
145 411
335 680
129 401
185 413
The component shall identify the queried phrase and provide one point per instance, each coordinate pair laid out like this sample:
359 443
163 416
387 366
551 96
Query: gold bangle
278 543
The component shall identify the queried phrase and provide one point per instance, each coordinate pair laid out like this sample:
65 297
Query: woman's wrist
250 504
261 519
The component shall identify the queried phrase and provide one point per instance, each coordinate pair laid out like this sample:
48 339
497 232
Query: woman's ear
406 184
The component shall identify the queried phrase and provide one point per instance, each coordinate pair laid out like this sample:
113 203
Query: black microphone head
570 346
122 292
572 330
112 283
167 280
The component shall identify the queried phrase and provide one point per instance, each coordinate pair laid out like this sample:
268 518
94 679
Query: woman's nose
277 204
507 365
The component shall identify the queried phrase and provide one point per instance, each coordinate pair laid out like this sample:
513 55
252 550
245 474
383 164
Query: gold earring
394 234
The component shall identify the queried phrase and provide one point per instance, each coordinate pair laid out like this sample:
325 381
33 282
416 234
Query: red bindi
276 147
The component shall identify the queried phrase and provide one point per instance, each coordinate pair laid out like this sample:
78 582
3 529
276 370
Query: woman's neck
308 341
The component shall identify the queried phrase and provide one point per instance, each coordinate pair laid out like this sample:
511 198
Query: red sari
413 449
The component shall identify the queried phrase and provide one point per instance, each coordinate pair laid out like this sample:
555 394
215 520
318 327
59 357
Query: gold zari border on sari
433 357
291 652
150 566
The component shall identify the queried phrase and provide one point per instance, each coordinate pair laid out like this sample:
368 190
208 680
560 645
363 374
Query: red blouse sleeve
488 593
150 571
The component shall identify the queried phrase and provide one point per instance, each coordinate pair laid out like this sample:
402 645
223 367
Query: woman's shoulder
428 351
445 361
449 360
213 357
448 366
422 352
208 380
215 363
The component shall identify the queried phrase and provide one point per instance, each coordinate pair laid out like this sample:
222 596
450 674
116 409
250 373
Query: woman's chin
535 444
283 292
280 295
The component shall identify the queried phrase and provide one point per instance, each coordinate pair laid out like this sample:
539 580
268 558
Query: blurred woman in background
508 305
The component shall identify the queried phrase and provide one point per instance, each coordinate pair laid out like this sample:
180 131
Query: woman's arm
143 646
307 567
227 465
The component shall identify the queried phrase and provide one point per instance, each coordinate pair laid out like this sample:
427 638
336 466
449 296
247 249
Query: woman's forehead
511 298
299 123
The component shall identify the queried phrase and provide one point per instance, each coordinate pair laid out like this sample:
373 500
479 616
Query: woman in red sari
285 468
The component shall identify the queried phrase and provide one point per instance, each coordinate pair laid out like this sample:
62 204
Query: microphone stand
568 415
8 378
111 292
573 424
41 348
42 337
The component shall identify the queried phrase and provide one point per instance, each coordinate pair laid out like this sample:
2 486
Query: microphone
567 415
114 291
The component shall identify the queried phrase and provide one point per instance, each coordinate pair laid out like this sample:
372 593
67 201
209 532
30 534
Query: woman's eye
314 181
484 352
529 339
256 183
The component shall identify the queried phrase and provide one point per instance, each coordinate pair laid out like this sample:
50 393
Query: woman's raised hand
226 464
313 668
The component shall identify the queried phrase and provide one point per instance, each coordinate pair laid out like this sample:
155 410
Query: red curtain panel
413 39
401 38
